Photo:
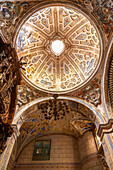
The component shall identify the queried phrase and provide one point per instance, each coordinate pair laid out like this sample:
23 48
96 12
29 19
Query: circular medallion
61 47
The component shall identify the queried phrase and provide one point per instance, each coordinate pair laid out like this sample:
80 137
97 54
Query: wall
67 153
88 152
64 155
11 162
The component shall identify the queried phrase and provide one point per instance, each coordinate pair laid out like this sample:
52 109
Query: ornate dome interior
56 71
61 49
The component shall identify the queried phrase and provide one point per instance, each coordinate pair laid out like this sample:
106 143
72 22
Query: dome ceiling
61 48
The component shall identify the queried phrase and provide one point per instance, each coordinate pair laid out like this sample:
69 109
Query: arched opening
73 140
77 141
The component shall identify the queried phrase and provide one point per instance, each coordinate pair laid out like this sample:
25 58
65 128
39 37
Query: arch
19 114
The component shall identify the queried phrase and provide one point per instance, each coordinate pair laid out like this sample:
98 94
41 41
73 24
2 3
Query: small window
42 150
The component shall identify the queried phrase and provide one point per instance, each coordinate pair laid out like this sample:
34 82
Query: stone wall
64 154
88 152
67 153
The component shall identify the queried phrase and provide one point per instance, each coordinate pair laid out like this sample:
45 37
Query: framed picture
42 150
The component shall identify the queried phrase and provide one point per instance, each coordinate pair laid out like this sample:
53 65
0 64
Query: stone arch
19 115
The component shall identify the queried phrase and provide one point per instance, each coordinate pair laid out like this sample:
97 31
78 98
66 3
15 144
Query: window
42 150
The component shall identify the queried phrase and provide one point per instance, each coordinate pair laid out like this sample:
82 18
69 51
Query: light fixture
54 109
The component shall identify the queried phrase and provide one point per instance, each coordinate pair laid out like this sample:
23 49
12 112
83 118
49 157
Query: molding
105 128
110 77
105 91
89 158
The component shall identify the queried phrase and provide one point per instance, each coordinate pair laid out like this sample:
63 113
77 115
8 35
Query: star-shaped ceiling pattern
78 59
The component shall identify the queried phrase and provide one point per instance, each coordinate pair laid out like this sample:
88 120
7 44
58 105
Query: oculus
61 49
57 47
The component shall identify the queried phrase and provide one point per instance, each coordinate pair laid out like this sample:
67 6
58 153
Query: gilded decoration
9 78
52 71
77 61
91 93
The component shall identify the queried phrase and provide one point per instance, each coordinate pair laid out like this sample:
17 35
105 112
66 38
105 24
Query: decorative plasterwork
91 93
26 95
75 118
11 13
103 10
74 65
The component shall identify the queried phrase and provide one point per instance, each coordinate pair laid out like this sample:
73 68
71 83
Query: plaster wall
67 153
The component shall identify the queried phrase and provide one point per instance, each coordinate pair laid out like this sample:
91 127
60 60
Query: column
88 152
